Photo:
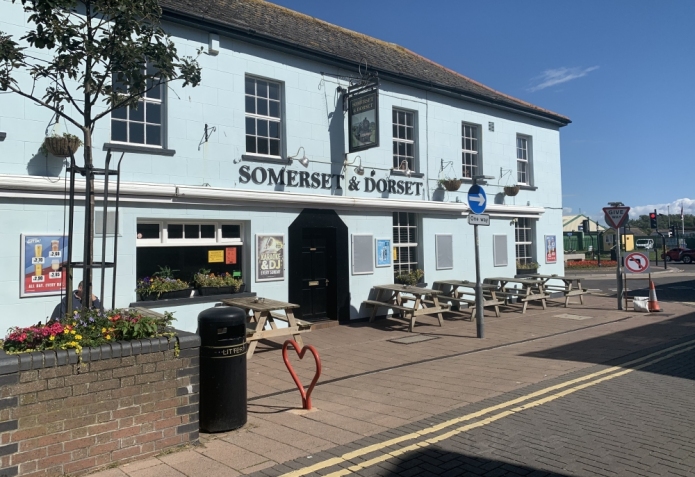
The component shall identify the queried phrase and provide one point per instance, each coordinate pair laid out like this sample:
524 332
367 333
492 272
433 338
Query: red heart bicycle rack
306 394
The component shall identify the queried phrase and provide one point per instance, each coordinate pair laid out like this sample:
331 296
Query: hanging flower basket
62 146
511 190
451 184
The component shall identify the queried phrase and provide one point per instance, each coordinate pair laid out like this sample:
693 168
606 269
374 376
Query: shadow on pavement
604 349
678 291
434 460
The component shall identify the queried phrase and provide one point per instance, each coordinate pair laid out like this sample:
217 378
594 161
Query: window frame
527 161
478 156
525 224
162 101
280 119
165 241
414 166
398 266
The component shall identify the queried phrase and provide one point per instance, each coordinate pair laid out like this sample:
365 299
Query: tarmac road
608 420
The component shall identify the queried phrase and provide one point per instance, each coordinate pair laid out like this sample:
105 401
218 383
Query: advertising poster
363 119
550 249
383 252
43 258
270 257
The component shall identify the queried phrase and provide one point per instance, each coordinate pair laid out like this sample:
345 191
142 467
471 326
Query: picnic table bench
265 310
460 293
531 289
410 301
568 287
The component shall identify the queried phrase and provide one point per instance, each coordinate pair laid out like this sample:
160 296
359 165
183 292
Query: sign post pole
477 203
479 313
616 216
618 272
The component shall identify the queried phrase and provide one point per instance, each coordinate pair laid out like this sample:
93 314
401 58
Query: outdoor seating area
410 302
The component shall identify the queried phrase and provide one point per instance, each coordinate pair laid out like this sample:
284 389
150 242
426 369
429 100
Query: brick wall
124 401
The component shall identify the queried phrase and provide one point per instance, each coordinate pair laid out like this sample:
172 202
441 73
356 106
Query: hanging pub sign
270 257
363 118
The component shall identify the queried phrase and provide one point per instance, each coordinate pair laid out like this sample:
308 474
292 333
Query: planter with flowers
162 288
85 364
451 185
413 277
211 284
61 146
526 268
91 329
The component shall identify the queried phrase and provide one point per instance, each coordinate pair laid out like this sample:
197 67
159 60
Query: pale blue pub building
319 143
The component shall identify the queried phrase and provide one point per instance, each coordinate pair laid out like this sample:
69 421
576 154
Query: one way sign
616 216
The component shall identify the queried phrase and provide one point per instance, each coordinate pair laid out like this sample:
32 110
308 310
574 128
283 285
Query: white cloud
674 207
561 75
566 210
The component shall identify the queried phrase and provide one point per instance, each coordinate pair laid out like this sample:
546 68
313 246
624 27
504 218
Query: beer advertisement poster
363 119
43 262
270 257
550 249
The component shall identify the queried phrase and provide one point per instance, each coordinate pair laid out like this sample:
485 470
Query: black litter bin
222 333
614 254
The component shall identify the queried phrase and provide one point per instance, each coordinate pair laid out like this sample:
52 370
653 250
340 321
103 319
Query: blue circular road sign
477 200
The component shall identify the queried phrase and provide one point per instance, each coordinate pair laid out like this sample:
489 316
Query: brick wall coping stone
12 363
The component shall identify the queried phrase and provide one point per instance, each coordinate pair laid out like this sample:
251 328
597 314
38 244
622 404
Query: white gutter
40 187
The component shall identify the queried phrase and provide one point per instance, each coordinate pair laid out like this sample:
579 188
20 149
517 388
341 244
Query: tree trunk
88 259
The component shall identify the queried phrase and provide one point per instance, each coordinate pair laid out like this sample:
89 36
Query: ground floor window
524 241
186 248
405 242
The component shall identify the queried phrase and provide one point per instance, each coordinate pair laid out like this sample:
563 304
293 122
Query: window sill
468 180
527 187
155 151
267 159
416 175
194 300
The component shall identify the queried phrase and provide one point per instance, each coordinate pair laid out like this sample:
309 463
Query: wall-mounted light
3 135
303 161
359 170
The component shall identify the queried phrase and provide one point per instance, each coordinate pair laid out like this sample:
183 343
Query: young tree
93 56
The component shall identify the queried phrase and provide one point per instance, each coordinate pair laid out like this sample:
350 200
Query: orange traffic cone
653 302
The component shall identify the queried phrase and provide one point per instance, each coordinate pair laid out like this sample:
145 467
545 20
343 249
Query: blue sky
623 71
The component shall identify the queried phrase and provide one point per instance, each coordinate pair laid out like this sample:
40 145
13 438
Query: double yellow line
567 387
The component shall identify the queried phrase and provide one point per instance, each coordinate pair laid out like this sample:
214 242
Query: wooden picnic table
568 288
264 310
531 289
410 301
459 293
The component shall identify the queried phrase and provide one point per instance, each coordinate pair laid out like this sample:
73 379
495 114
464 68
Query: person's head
79 290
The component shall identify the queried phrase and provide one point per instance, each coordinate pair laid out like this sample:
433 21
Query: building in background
308 163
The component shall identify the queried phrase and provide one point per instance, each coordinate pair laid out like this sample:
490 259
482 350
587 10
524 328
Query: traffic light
585 226
652 220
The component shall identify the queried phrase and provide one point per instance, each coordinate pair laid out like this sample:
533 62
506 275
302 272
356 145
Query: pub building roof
270 25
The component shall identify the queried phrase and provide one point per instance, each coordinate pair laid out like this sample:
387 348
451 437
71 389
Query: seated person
60 309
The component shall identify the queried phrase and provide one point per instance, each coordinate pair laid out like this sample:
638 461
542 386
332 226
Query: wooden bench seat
302 324
381 304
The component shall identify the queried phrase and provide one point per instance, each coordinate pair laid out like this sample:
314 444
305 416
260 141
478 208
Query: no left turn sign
636 262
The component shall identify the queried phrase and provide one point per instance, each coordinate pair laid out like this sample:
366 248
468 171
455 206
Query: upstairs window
469 150
263 117
523 165
143 124
403 139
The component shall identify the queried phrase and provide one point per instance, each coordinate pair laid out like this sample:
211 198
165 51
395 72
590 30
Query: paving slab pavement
371 385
